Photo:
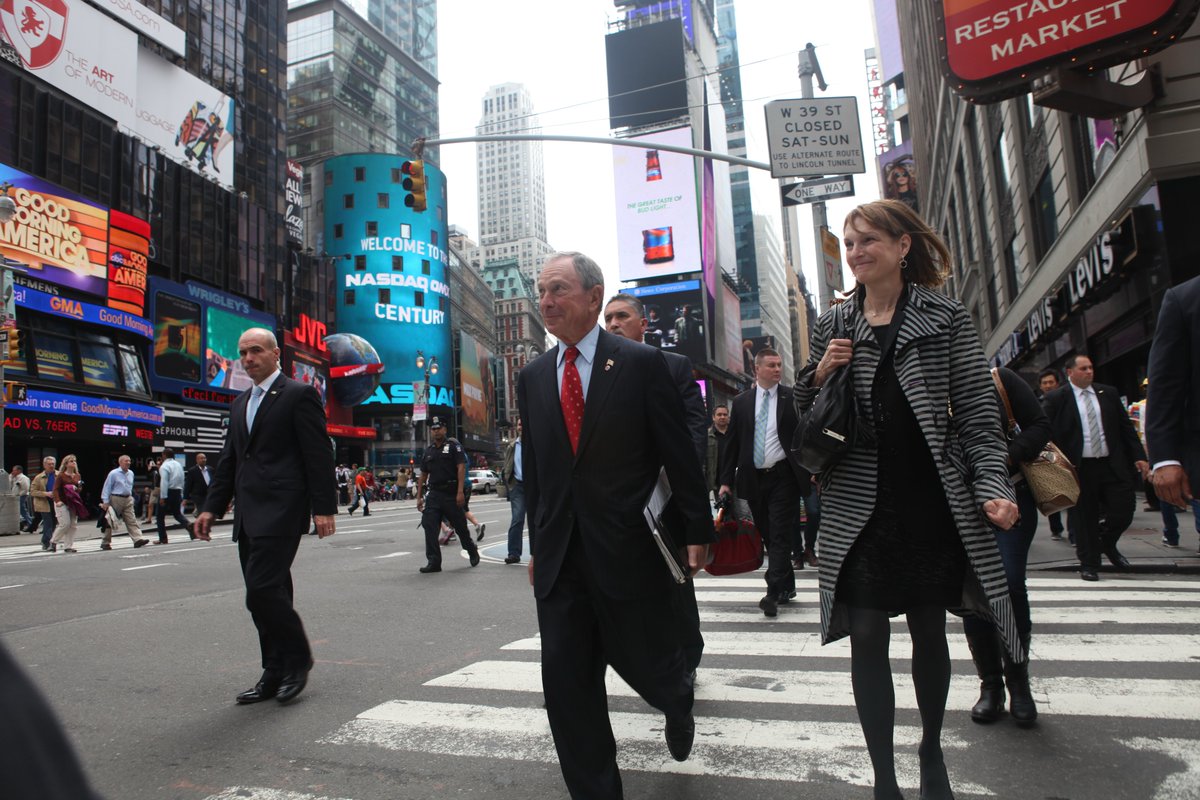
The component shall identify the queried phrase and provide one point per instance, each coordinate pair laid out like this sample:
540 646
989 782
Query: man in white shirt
170 495
18 483
117 494
1092 428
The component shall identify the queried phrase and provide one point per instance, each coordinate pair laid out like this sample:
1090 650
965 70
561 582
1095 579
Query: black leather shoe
786 597
768 606
679 734
512 560
1089 575
291 686
266 688
1119 561
474 558
428 568
106 547
141 543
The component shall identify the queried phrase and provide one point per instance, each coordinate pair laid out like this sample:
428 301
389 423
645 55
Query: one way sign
819 190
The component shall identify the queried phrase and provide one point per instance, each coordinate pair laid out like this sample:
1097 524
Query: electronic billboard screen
674 318
646 75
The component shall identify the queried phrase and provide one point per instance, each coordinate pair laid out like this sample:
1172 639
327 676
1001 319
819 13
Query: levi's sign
995 47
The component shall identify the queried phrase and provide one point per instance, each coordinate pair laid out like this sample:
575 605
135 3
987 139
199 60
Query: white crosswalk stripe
768 690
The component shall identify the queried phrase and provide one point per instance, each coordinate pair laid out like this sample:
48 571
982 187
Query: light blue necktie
760 431
252 408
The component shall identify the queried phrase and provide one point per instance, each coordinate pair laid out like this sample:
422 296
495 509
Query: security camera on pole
814 138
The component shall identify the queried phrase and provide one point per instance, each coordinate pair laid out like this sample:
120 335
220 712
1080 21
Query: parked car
483 480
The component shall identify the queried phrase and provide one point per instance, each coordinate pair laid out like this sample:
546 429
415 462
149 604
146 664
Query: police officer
444 469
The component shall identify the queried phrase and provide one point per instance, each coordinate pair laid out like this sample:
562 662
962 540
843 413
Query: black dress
909 554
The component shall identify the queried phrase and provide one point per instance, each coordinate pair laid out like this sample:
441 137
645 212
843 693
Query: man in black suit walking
762 422
624 316
602 418
1092 428
277 461
195 483
1172 422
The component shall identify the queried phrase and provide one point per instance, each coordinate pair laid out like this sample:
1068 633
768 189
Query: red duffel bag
738 547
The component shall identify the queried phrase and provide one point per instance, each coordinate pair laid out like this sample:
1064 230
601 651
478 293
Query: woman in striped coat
904 514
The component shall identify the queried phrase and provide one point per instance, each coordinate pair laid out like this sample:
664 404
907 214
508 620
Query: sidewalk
1141 544
88 530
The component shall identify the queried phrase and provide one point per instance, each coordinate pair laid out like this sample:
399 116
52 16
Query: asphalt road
428 686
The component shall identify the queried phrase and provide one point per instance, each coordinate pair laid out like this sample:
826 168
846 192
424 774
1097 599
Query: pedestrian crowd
925 505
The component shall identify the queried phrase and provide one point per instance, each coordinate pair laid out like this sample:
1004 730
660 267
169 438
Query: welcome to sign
994 48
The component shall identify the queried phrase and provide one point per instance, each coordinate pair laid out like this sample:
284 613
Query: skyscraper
511 175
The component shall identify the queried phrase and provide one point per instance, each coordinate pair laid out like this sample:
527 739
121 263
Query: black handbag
829 429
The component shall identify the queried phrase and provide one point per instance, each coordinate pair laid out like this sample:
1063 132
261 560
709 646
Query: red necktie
572 397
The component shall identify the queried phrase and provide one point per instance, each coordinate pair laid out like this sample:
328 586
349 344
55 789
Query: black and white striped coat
944 375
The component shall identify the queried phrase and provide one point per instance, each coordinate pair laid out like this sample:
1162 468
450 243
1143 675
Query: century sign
994 48
816 136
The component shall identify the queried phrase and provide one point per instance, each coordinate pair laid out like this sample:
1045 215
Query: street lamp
431 368
8 207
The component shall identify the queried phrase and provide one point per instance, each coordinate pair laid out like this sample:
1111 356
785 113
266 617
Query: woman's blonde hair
928 257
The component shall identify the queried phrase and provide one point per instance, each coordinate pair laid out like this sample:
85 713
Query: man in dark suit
195 483
762 422
277 461
1092 428
624 316
602 418
1172 422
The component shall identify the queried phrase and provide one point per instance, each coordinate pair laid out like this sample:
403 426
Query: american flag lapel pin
608 365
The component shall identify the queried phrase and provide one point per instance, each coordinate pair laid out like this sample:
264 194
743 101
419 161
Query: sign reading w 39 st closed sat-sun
994 48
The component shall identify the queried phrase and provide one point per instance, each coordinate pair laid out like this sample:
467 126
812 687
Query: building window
360 263
347 201
360 174
433 238
329 177
424 266
383 200
397 263
385 296
348 297
1045 220
418 298
372 228
1011 283
396 175
337 230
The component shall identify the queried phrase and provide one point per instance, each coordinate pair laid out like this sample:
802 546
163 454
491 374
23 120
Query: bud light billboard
391 271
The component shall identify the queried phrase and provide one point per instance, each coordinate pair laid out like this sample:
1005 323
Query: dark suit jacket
1172 422
737 453
1124 447
194 487
693 403
279 472
633 425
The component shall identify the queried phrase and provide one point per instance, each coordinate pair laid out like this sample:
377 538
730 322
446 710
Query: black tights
875 695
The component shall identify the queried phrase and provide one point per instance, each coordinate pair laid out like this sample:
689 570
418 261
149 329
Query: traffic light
13 353
414 184
15 392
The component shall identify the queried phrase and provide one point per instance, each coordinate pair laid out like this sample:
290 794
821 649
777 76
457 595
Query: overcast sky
557 50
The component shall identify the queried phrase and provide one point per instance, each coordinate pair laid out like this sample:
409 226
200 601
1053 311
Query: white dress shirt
773 451
1082 398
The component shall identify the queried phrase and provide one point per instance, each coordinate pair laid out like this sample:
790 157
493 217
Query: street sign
814 137
817 191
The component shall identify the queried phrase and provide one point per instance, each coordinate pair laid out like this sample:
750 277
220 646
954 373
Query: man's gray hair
266 333
633 302
588 271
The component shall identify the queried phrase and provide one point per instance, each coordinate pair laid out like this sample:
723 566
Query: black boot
1022 707
985 651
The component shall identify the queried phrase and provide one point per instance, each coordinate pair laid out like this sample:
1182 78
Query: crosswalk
773 705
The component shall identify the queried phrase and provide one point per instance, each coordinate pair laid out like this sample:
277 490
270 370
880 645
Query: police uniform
440 466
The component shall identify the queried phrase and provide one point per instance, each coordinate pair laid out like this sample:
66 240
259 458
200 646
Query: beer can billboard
658 230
